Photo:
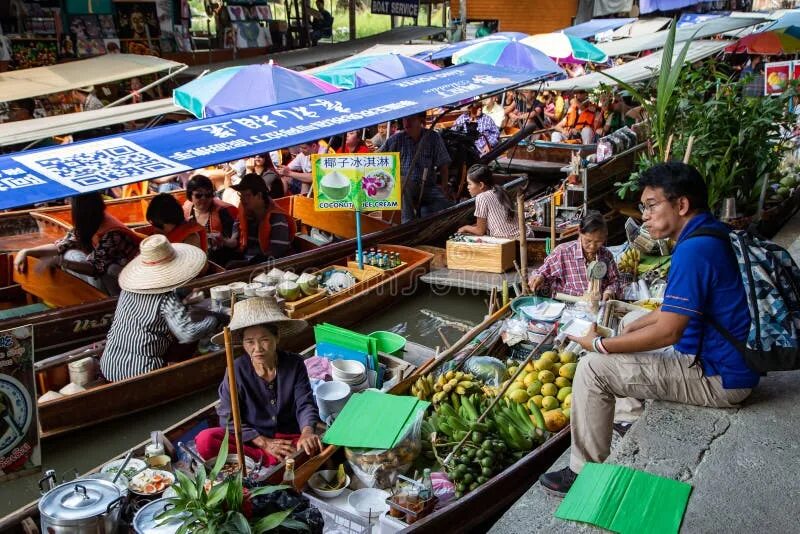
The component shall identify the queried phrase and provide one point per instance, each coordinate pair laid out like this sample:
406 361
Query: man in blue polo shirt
655 356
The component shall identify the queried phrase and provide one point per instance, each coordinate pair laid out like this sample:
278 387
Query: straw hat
161 266
87 89
259 311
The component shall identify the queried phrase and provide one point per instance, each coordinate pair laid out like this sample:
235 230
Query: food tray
339 516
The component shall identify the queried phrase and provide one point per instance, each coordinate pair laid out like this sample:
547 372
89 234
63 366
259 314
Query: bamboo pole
553 222
523 243
669 149
237 417
688 153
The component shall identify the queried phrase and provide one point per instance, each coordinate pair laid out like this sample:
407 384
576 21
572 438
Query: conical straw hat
259 311
161 266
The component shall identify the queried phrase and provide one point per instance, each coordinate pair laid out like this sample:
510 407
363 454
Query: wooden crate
491 254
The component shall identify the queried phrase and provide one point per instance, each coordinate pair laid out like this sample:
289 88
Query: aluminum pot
86 506
145 522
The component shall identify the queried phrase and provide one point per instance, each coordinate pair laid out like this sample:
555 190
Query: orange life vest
586 119
214 220
112 224
264 228
572 117
181 232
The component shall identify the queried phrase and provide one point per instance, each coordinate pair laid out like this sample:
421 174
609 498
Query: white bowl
361 386
134 466
318 478
331 397
369 502
347 370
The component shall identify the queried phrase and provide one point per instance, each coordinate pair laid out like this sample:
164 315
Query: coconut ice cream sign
356 182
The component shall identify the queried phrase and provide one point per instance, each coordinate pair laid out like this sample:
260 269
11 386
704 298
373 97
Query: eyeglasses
198 194
645 208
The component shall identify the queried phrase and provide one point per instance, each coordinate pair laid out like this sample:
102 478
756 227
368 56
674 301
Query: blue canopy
56 172
592 27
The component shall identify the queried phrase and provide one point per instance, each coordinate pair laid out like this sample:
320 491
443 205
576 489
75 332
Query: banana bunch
629 261
519 429
447 384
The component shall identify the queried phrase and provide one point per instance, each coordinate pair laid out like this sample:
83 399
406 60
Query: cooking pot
86 506
145 522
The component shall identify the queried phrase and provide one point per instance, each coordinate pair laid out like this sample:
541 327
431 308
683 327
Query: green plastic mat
625 500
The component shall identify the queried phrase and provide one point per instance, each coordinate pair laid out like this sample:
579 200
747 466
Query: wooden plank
56 287
481 281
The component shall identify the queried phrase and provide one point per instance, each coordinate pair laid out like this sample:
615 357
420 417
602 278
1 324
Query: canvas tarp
636 70
591 28
657 40
12 133
29 83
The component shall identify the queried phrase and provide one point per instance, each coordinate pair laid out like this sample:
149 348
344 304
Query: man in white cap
150 317
86 98
276 406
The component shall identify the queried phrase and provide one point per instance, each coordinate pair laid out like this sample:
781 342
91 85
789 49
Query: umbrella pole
360 250
237 418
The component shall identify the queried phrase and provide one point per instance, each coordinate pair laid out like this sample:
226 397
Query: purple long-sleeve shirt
285 405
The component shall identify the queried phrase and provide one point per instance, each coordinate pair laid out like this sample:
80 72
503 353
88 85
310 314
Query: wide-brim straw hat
87 89
257 311
161 266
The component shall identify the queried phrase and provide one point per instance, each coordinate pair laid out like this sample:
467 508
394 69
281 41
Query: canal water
425 317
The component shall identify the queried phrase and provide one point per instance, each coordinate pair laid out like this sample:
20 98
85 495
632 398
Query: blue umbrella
510 54
447 51
249 87
367 70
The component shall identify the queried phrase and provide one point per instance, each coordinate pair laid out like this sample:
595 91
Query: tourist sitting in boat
581 123
564 270
95 250
488 134
150 320
494 210
298 171
220 219
165 216
265 230
353 144
276 406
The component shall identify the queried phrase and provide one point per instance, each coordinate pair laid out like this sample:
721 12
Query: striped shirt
565 270
488 206
143 329
279 238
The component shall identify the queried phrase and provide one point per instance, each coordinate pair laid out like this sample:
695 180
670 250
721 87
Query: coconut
289 276
289 290
272 278
308 284
788 182
336 185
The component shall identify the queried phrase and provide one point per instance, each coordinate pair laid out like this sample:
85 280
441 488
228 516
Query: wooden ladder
299 28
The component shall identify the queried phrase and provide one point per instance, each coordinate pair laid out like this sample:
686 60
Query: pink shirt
565 270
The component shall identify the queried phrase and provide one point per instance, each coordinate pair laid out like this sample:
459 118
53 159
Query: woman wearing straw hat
276 405
150 316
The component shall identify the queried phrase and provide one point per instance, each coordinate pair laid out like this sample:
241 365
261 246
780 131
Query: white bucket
331 398
82 372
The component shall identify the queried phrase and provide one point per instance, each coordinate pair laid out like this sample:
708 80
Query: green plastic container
389 342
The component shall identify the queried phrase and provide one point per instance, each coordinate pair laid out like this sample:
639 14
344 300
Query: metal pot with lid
146 522
86 506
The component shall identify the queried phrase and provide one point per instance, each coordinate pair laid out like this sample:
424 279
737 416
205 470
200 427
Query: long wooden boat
58 330
375 289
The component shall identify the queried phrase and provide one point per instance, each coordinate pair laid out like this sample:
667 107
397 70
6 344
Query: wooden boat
375 289
58 330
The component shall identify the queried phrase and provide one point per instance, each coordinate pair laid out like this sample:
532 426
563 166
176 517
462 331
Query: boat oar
123 466
237 420
502 392
523 242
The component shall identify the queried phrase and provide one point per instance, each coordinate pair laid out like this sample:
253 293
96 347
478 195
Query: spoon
123 466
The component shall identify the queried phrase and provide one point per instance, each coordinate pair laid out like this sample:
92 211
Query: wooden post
552 222
444 13
430 12
523 242
462 13
352 13
237 421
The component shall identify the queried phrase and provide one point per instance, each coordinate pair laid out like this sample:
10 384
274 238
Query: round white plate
369 502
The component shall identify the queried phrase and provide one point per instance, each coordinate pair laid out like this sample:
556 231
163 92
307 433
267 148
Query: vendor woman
277 408
494 212
150 320
564 270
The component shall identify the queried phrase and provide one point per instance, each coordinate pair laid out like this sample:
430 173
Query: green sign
356 182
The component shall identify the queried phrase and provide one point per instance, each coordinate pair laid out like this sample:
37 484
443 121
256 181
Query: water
424 317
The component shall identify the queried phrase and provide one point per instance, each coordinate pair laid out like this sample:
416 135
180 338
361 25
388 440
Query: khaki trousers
601 378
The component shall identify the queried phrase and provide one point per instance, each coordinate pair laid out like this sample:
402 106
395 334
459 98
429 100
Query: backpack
772 284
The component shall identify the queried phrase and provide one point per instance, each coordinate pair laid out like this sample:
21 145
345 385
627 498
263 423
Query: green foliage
220 510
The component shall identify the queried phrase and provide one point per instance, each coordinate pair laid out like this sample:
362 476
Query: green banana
454 398
472 413
446 409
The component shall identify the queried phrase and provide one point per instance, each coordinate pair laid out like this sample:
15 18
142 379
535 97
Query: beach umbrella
448 50
566 48
367 70
248 87
510 54
769 43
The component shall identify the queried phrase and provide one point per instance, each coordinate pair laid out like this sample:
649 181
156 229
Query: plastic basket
338 520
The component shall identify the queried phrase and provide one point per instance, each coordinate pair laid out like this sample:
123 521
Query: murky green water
424 317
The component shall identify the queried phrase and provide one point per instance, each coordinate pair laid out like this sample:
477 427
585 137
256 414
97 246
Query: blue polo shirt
704 280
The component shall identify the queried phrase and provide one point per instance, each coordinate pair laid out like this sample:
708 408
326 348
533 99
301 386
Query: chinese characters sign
19 434
398 8
361 182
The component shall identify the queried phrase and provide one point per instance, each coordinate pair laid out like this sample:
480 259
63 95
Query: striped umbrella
510 54
367 70
249 87
448 50
566 48
769 43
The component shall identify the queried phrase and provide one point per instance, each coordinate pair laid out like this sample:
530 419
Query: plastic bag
379 468
487 369
443 489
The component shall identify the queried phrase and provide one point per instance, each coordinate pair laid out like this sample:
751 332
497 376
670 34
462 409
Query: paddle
237 418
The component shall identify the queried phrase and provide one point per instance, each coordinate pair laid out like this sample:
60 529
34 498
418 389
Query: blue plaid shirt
486 127
433 154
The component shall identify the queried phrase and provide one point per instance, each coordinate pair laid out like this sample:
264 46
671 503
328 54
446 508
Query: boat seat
21 311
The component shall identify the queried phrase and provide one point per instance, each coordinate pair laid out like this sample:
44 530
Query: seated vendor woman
165 216
95 250
564 270
277 408
494 211
150 320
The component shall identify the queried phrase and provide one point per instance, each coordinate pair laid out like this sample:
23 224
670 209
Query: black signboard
399 8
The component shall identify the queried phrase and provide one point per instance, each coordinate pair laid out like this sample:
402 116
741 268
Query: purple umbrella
367 70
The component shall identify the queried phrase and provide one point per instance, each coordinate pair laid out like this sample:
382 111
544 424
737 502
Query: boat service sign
19 436
356 182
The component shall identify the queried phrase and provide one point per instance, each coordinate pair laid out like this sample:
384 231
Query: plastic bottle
427 486
288 473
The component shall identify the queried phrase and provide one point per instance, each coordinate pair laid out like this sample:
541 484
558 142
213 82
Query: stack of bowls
351 372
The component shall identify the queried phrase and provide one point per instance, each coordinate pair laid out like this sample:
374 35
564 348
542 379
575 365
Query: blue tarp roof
591 28
62 171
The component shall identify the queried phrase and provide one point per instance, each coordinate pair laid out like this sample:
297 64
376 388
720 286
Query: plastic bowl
318 479
369 502
389 342
331 397
347 370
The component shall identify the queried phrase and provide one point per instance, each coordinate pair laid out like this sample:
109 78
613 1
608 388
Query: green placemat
625 500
